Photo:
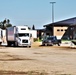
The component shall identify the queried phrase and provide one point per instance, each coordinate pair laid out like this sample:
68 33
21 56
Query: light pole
52 11
53 14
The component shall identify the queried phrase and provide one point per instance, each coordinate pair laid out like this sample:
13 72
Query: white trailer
18 36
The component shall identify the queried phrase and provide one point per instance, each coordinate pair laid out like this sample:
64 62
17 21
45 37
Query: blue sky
37 12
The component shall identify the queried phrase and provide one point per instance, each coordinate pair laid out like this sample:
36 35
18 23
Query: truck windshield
23 34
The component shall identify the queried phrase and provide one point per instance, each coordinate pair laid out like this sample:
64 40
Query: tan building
59 31
65 29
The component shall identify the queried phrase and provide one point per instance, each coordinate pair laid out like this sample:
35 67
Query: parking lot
38 60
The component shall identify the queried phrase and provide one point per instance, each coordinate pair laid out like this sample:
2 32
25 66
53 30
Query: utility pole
53 14
52 11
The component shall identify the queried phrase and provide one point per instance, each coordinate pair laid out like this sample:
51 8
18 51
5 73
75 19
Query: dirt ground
37 60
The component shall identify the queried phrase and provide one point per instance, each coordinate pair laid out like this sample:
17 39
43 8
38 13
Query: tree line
5 23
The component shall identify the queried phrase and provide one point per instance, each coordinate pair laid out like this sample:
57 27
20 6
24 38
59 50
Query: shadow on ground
21 73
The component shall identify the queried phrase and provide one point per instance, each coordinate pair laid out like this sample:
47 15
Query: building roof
40 29
67 22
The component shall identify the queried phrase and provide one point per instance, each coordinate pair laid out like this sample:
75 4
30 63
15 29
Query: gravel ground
37 60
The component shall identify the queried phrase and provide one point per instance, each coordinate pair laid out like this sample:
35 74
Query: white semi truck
18 36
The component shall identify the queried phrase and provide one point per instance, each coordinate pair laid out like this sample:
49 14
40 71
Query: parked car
51 40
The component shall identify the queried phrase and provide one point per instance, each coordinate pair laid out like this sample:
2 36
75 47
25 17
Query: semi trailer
18 36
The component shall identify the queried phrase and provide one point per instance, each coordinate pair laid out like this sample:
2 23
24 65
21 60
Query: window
23 28
61 29
58 30
23 34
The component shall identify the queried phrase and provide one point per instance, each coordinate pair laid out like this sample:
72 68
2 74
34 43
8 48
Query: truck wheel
8 44
16 44
46 44
0 43
29 46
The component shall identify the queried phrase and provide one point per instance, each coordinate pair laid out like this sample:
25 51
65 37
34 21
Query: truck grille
24 41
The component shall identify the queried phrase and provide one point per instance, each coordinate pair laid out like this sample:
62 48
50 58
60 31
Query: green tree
33 27
5 24
1 24
8 25
8 21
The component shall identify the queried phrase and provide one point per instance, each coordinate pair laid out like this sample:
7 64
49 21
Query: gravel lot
37 60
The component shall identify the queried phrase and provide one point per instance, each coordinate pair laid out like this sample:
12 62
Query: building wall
59 31
73 32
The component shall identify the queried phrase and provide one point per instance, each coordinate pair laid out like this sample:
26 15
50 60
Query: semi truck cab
18 36
23 39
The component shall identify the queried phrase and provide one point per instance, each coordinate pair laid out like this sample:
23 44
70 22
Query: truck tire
0 43
8 43
16 44
29 46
